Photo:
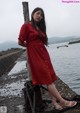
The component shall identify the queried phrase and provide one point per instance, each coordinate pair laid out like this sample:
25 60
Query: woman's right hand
22 43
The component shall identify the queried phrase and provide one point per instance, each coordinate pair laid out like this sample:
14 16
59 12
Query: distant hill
8 45
52 40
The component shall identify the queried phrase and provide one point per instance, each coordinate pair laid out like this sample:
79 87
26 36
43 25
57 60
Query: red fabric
40 64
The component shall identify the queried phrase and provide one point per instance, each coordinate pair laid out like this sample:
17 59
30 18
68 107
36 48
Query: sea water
66 62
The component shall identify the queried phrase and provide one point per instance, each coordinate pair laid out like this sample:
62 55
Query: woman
33 36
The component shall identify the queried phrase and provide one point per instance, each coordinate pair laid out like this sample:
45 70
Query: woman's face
37 16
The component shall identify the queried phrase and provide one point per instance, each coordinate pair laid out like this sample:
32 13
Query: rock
3 109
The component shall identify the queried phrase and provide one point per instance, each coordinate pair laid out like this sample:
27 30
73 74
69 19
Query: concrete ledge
6 61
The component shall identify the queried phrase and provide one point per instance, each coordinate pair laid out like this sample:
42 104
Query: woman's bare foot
56 105
68 104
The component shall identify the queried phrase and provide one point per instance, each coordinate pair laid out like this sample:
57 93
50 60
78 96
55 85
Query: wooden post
26 19
25 11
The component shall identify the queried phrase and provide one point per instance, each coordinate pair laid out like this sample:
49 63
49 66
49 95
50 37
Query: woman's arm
22 43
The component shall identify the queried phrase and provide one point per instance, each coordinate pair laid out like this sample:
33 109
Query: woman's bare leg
55 103
54 92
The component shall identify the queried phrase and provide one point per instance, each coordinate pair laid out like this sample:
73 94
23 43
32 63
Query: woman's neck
35 25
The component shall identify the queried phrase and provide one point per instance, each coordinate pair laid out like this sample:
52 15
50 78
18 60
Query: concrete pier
8 59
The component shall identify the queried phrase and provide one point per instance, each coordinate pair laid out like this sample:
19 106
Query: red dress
40 64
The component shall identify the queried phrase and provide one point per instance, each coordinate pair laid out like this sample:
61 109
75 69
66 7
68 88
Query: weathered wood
26 19
25 11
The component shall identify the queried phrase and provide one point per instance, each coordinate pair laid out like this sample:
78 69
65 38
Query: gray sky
62 19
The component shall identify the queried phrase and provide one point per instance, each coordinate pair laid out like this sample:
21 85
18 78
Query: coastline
15 103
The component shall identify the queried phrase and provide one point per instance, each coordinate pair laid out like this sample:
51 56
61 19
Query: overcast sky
62 18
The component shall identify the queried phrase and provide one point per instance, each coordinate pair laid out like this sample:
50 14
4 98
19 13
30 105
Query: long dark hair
41 24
